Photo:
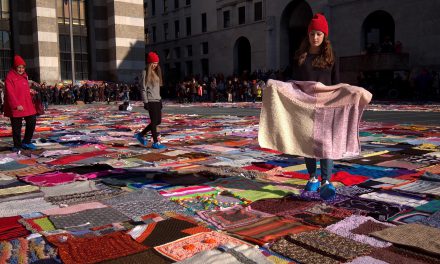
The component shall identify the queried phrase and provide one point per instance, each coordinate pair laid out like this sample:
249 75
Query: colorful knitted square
24 250
187 247
36 225
269 229
232 217
93 249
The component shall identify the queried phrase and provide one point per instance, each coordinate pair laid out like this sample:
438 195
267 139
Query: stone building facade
229 36
226 36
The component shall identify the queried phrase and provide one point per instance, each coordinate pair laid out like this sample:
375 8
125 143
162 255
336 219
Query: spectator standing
18 105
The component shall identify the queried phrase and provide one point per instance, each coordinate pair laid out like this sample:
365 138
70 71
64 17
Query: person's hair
153 77
324 60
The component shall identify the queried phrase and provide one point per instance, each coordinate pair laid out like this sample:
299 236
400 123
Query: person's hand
20 108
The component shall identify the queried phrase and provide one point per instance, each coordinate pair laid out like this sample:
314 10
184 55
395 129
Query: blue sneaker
312 186
141 138
29 146
157 145
327 191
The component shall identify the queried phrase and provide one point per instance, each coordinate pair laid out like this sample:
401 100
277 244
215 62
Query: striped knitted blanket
311 119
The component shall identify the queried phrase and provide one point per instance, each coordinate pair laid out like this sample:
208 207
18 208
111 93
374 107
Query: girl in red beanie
315 61
151 82
18 105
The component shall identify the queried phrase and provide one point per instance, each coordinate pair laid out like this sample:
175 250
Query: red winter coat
17 92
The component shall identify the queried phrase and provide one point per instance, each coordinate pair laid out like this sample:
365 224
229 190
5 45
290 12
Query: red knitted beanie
319 23
152 57
18 61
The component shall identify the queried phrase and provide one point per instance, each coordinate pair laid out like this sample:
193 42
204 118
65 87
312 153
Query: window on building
5 39
178 69
241 15
5 53
165 31
147 36
166 69
153 29
258 8
189 50
4 9
188 26
176 29
78 12
75 12
153 7
177 53
204 23
65 59
167 54
205 67
165 6
205 49
61 7
226 19
80 39
176 4
187 2
81 57
146 9
189 68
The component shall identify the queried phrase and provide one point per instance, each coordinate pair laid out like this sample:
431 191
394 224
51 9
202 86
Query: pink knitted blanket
311 119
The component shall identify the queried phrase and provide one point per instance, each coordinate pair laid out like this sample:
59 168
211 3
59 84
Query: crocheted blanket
311 119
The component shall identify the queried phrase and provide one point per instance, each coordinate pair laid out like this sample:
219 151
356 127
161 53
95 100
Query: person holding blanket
315 61
314 116
150 89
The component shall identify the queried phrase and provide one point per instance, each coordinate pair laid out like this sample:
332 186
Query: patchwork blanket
312 120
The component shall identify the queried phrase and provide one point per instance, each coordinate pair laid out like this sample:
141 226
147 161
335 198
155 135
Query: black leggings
17 123
155 112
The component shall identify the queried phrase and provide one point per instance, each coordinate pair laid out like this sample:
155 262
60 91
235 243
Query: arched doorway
377 29
294 21
242 56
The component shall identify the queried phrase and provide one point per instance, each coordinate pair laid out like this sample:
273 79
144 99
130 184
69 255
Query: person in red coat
18 105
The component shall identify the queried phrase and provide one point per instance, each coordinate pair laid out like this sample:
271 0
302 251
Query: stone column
98 36
45 41
126 40
271 43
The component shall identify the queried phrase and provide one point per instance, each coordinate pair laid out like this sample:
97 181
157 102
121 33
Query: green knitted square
45 224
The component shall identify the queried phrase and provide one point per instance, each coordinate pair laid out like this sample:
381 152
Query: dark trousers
155 112
326 168
17 123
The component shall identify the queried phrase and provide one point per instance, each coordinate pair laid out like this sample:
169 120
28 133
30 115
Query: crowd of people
88 92
419 84
386 46
217 88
